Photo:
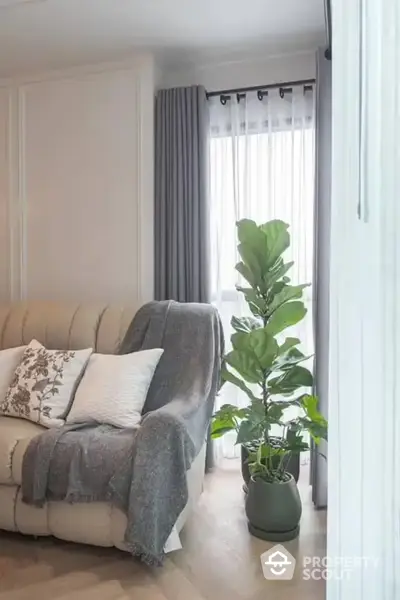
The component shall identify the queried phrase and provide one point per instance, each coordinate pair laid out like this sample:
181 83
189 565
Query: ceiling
42 34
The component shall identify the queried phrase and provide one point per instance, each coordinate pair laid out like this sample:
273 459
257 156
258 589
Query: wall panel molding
113 108
135 63
22 200
145 182
11 212
9 222
15 200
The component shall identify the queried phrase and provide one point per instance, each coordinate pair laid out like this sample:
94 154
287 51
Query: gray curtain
181 228
181 185
322 261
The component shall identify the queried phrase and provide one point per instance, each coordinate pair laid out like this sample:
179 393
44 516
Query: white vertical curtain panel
261 168
364 332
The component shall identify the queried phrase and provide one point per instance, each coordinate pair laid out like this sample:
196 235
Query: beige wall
76 184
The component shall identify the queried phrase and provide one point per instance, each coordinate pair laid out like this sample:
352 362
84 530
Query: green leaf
250 294
285 316
251 236
290 381
316 423
231 409
284 404
241 341
300 376
251 260
245 324
277 272
218 430
278 239
226 419
248 432
257 407
288 344
275 289
295 353
245 365
286 293
275 412
318 431
257 304
256 412
221 424
264 346
267 450
290 359
310 405
228 376
296 445
246 273
249 231
252 427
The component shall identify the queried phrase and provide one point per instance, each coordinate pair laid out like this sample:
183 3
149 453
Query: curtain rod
286 86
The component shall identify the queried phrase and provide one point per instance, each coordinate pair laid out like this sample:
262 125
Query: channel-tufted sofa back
65 326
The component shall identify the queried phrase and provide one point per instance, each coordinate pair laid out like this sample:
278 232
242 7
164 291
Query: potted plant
266 366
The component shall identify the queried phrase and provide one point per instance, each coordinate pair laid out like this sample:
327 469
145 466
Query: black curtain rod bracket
262 90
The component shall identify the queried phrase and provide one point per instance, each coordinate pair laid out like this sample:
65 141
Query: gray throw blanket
141 471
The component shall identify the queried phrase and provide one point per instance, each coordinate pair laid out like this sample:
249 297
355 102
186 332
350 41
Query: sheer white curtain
262 168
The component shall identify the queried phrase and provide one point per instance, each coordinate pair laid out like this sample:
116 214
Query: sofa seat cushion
15 435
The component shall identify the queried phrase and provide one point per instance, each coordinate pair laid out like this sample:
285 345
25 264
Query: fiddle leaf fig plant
264 363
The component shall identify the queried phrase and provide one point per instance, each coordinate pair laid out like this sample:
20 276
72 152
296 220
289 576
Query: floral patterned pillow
44 384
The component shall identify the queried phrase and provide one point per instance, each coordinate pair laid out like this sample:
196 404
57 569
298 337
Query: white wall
76 173
243 73
76 184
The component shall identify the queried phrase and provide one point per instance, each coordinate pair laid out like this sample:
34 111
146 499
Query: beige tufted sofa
67 326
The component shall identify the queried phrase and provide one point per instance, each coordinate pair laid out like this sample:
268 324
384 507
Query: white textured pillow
43 384
113 389
9 361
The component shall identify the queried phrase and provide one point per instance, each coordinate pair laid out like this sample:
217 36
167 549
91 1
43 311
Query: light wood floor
220 560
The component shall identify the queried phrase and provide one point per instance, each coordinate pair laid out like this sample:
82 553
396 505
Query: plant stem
281 466
266 432
265 396
289 456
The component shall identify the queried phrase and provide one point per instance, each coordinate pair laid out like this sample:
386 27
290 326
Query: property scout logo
278 564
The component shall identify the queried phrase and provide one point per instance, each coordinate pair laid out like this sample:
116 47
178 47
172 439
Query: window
262 168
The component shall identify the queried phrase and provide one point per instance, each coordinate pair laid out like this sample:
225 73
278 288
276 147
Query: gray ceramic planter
273 510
